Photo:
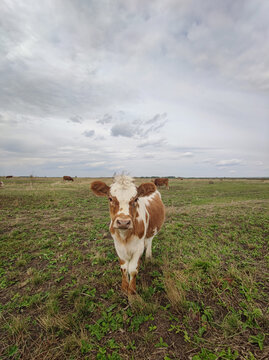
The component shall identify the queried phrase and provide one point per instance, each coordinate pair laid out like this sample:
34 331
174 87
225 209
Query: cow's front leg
133 270
124 272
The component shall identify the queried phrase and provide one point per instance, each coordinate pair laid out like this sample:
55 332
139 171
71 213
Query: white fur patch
124 190
129 251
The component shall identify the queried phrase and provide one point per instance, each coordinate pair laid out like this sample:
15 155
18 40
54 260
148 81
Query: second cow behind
137 214
161 182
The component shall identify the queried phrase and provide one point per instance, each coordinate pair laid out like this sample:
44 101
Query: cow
9 176
1 184
67 178
137 214
161 181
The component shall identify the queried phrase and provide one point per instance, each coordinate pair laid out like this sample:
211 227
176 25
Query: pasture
204 296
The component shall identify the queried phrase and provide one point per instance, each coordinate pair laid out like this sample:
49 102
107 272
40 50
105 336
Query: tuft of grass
175 287
18 325
54 323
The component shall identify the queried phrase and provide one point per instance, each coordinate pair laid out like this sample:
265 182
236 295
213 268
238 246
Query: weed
257 339
161 343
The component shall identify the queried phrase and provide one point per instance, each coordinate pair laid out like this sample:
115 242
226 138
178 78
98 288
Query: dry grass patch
17 325
175 286
54 322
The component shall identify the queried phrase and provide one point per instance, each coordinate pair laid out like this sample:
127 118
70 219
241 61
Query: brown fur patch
100 188
146 189
113 210
124 281
156 215
132 285
139 229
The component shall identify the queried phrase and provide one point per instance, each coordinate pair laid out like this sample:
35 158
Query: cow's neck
123 235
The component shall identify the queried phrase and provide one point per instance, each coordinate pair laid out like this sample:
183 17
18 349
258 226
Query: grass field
204 296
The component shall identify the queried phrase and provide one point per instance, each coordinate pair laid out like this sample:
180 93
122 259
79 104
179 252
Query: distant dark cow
67 178
161 182
9 176
1 184
137 214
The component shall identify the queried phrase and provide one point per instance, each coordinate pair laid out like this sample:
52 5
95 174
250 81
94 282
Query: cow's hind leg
148 246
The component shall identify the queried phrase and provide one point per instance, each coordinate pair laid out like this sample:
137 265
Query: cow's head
123 198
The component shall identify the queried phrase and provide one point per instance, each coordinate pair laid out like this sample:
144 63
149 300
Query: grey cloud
106 119
76 119
157 122
157 118
125 130
48 66
24 146
32 92
152 144
138 128
58 64
100 138
89 133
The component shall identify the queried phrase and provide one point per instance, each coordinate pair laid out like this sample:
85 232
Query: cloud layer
164 88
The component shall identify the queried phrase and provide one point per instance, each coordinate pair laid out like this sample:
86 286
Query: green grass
204 296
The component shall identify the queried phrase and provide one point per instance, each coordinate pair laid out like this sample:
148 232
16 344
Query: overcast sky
167 87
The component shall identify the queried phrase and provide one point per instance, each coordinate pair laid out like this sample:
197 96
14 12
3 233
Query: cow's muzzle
123 223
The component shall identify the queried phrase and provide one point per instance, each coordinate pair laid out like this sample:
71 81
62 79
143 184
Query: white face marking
124 190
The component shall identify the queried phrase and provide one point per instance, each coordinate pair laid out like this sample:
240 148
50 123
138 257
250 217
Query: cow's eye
110 199
135 200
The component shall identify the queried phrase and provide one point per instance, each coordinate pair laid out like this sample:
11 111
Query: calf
1 184
161 181
137 214
67 178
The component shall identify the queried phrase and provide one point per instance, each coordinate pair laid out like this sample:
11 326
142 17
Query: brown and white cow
1 184
161 181
137 214
67 178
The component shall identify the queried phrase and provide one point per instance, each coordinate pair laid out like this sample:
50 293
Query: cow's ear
100 188
145 189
